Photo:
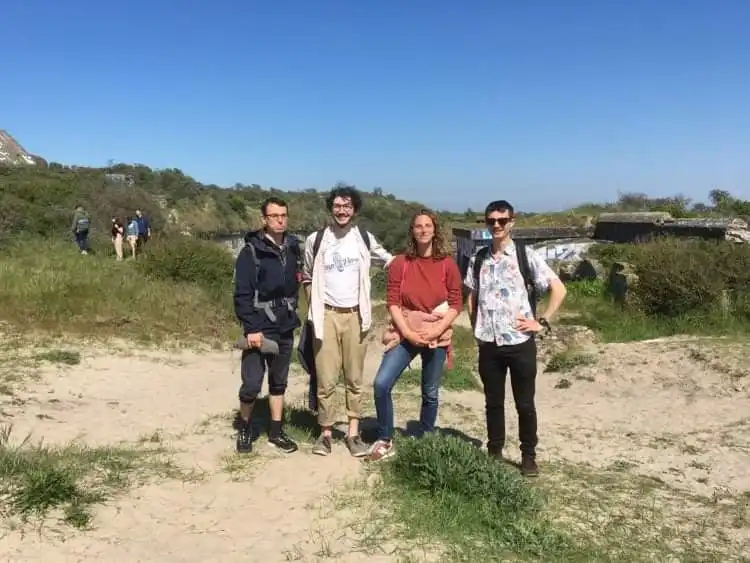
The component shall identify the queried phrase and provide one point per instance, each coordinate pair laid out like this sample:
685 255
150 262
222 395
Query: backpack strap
317 241
365 237
319 238
266 306
528 279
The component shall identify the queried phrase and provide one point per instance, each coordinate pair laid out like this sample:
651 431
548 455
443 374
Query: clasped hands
423 336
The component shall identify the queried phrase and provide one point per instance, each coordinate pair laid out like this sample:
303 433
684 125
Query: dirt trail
667 408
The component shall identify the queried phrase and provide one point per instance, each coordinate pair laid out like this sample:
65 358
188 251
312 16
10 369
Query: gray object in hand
267 347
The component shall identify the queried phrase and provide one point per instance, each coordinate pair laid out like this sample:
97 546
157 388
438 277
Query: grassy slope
47 286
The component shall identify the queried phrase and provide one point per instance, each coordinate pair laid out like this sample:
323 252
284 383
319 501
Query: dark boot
495 452
529 467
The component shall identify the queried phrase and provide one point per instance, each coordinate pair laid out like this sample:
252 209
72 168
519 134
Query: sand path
673 409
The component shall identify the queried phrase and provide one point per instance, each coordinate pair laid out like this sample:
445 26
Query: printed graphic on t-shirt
341 272
340 263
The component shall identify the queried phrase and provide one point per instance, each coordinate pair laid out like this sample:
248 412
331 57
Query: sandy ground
676 409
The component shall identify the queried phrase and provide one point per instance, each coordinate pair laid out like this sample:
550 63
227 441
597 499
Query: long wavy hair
439 247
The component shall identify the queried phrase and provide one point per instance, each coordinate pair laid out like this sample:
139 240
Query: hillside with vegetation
40 200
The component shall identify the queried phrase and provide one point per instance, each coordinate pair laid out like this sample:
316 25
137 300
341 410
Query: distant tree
719 198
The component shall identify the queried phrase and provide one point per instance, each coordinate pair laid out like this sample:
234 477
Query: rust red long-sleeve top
427 283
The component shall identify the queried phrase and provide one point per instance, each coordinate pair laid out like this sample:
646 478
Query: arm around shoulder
378 250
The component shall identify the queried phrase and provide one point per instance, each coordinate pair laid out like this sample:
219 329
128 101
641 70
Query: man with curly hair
336 275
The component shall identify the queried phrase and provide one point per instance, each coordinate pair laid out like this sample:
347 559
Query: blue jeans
394 362
82 240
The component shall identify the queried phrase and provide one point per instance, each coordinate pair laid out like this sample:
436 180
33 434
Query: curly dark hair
342 190
439 246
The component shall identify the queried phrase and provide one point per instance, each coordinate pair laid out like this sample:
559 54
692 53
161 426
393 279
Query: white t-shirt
341 271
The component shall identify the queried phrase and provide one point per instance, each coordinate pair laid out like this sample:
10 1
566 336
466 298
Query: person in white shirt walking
336 276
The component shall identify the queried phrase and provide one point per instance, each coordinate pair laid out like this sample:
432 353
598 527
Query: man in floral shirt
503 285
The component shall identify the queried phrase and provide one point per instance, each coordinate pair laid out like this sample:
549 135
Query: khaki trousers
118 246
343 348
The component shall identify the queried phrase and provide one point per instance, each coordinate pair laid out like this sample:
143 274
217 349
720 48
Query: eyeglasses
343 207
277 216
502 221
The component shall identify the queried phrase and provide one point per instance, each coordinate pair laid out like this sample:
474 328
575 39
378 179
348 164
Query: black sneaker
244 439
283 442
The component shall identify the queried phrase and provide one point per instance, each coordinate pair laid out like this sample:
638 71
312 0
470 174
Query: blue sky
546 103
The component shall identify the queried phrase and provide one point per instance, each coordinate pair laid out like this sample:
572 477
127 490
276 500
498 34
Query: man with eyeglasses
265 301
505 279
336 276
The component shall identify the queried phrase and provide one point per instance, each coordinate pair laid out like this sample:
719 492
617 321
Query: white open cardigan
313 274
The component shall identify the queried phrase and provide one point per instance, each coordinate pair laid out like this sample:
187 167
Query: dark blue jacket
276 280
143 225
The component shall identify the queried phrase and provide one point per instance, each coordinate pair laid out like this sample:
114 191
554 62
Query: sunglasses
502 221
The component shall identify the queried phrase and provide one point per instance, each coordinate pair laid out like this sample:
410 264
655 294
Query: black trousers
494 363
254 366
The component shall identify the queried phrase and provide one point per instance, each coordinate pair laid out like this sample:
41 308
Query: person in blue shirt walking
132 232
144 228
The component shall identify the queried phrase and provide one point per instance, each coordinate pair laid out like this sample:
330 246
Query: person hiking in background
265 302
80 227
337 283
424 298
144 228
504 280
118 234
132 231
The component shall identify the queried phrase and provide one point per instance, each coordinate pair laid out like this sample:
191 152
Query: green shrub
687 277
379 281
448 490
185 259
585 289
684 287
608 254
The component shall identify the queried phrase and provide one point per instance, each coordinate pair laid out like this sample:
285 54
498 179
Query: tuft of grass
19 362
67 357
448 495
36 480
446 490
568 360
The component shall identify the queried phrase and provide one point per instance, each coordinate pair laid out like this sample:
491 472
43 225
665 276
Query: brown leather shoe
529 467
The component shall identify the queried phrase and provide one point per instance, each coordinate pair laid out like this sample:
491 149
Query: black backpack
319 238
523 266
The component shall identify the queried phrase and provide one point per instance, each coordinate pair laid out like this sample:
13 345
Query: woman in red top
424 298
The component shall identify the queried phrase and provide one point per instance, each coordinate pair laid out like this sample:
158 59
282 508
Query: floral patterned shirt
503 296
